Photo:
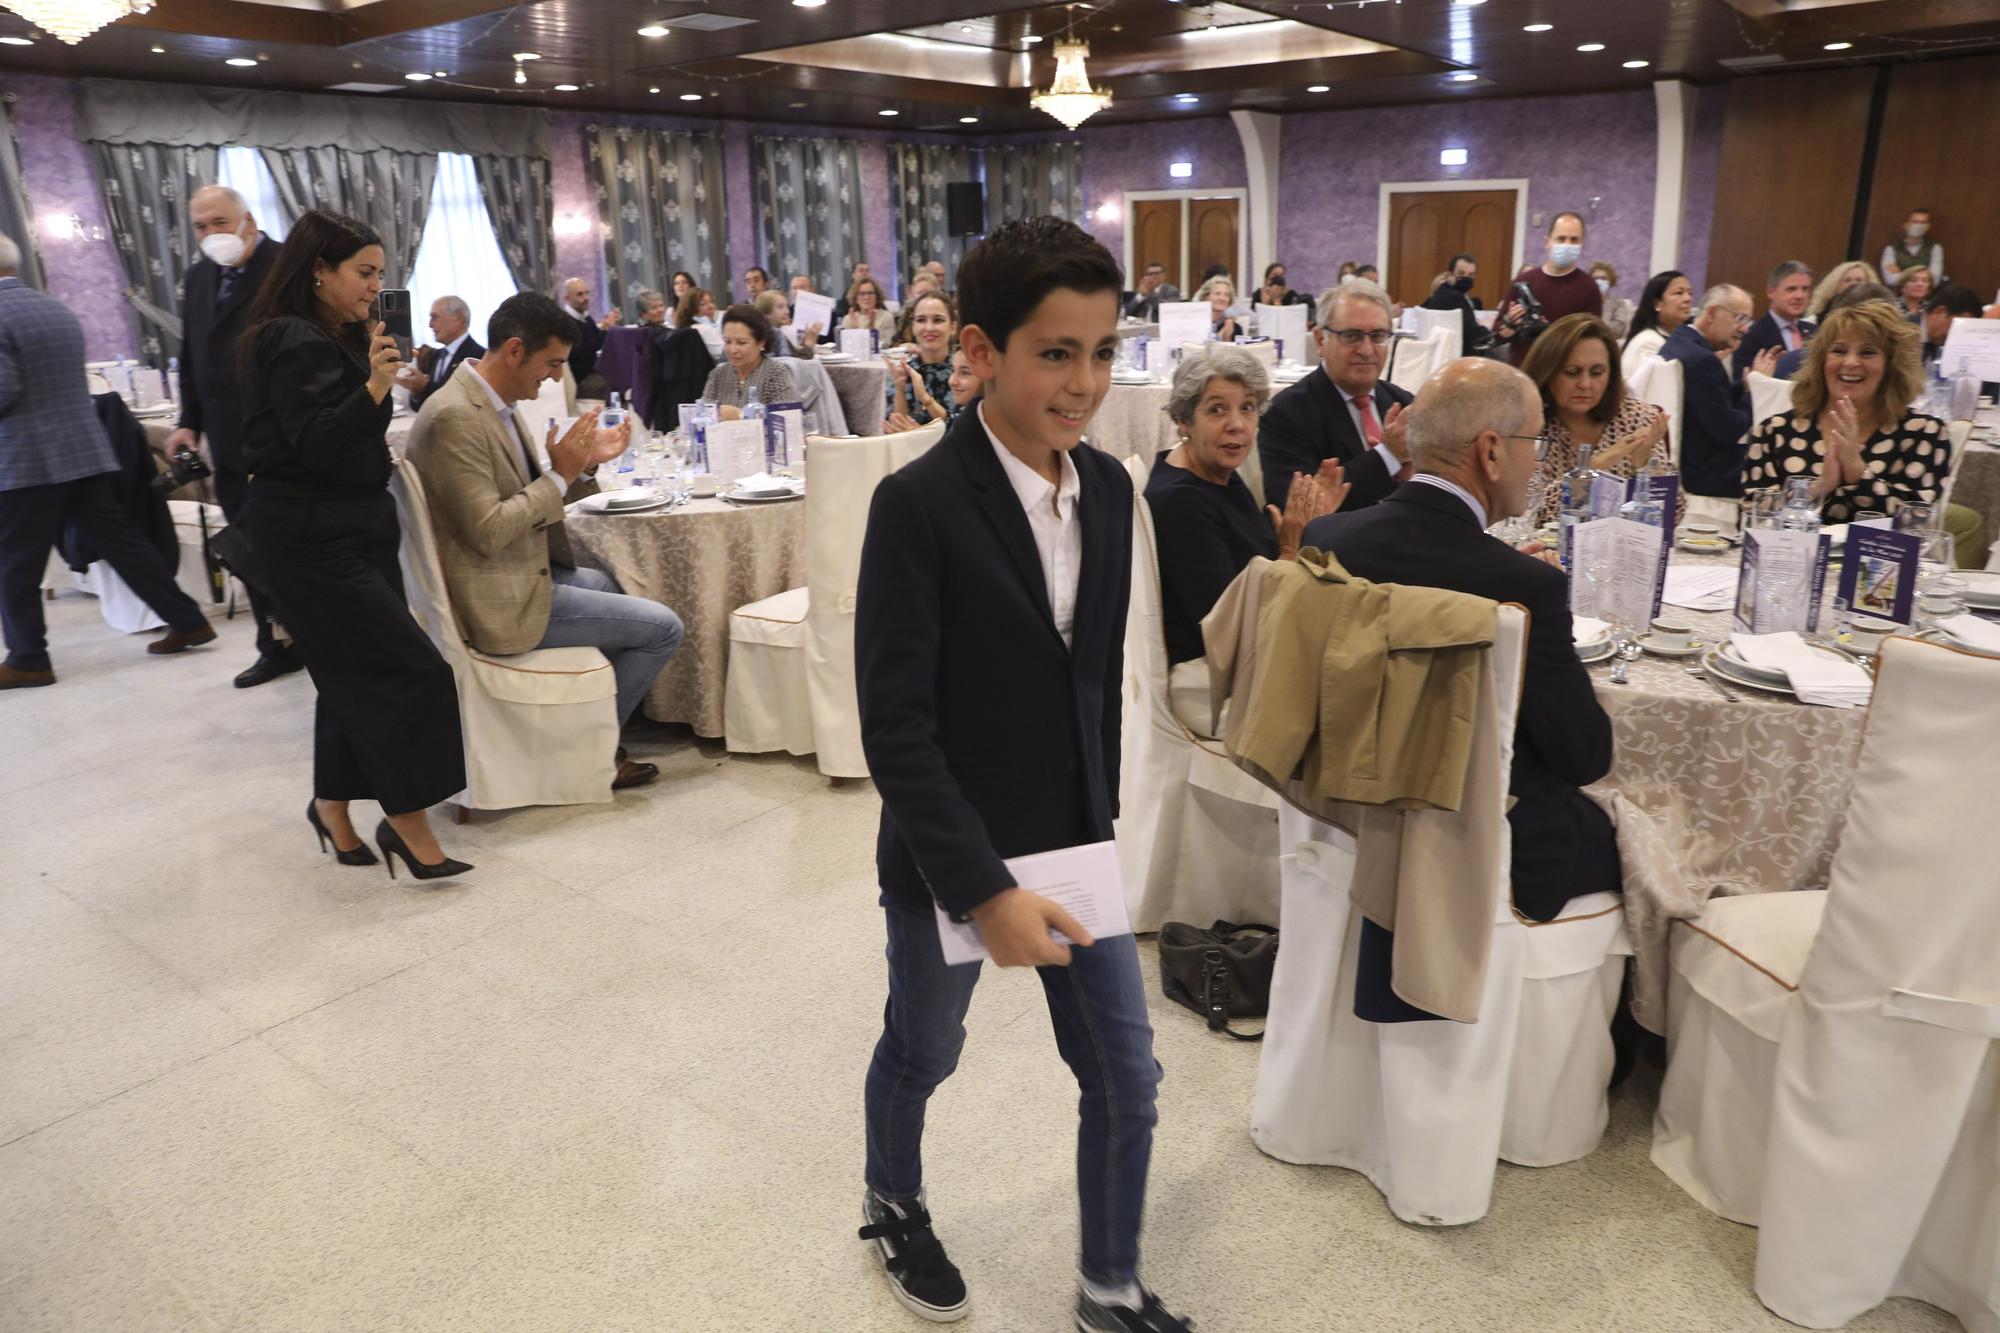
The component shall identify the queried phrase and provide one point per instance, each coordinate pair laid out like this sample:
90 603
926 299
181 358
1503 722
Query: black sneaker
923 1279
1151 1317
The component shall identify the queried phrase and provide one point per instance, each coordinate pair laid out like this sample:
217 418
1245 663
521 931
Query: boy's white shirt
1057 530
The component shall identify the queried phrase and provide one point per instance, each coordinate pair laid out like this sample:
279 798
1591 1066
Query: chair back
841 476
1768 397
1414 360
1958 432
824 413
1659 383
1430 323
550 404
1145 622
423 575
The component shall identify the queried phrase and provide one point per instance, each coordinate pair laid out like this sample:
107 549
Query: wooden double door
1428 227
1188 235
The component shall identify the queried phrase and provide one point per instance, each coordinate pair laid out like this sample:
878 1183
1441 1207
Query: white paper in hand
809 308
1083 881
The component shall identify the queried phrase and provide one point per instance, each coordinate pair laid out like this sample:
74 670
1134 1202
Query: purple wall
1118 158
1711 109
83 274
1569 149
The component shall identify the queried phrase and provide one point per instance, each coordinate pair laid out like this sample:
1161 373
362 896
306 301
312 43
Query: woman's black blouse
1205 535
308 418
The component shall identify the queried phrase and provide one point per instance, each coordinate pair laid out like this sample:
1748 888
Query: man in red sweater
1558 283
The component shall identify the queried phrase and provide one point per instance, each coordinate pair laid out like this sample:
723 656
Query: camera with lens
1528 320
185 466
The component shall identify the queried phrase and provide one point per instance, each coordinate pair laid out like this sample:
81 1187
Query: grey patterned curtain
387 189
809 196
659 208
16 217
522 207
146 188
1033 180
923 232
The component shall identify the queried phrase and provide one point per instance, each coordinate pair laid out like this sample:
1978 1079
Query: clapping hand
576 451
1843 464
1310 497
1396 432
1014 926
898 422
1765 361
610 321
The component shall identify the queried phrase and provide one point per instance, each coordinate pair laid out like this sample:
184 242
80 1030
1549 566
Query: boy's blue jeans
1098 1008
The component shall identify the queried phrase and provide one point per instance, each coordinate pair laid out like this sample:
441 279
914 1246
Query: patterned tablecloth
704 560
1132 421
1978 486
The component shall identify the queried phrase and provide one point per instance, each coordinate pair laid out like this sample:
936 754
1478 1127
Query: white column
1259 132
1673 105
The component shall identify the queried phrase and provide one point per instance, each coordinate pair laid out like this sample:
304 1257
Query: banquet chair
1837 1053
823 410
551 403
1958 432
1197 836
1427 323
1414 360
1426 1110
790 684
540 726
1769 397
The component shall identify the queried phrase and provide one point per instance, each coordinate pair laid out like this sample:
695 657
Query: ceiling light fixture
520 75
653 90
1180 171
1468 3
1537 27
29 41
1070 98
527 55
968 120
1591 46
159 50
1839 46
808 4
245 62
1637 64
690 97
1451 157
413 77
1465 76
440 73
652 30
71 21
1186 99
565 87
1032 40
888 111
1318 88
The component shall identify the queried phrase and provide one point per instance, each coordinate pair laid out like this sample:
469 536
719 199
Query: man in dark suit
451 326
1715 408
1474 435
589 336
989 634
1344 409
216 298
1784 325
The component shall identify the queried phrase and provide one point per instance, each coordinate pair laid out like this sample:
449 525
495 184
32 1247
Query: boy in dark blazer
989 632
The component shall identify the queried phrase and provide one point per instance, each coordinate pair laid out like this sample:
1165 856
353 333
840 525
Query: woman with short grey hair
1206 524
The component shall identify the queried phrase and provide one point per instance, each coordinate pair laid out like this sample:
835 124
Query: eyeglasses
1541 443
1743 321
1354 337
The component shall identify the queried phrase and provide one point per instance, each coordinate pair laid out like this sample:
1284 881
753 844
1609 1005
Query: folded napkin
1816 677
1970 629
763 483
1588 629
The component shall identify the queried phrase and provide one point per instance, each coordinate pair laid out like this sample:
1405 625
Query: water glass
1761 508
1911 516
1934 577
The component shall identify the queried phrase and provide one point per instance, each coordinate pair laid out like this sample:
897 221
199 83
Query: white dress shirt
1445 484
1052 518
1382 451
444 357
511 423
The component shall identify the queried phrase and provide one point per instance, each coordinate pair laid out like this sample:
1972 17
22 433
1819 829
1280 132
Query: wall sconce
570 224
69 227
1180 171
1109 211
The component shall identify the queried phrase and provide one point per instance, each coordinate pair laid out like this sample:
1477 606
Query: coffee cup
703 485
1865 633
1702 532
1671 635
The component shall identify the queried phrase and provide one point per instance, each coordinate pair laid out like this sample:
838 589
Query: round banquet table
1132 422
703 559
861 387
1978 487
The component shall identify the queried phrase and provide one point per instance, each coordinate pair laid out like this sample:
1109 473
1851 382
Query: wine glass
1940 595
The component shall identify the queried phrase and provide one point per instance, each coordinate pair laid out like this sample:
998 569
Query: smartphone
392 307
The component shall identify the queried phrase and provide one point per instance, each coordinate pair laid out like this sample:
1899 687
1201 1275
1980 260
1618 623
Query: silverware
1696 669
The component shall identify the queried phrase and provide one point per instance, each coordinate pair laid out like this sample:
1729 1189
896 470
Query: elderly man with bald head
216 298
1475 432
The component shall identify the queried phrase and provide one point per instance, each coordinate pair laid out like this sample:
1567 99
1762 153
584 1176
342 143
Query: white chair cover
1414 360
1425 1110
764 703
1884 1170
1197 836
1659 383
1427 323
540 726
122 609
1958 432
1768 397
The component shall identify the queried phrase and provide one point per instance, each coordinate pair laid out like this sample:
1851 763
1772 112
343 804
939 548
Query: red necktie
1371 429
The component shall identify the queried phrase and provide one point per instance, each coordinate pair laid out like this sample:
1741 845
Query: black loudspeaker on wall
965 208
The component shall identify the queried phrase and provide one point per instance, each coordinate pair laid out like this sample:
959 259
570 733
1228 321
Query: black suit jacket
469 350
1764 333
1426 536
986 736
583 352
1715 413
211 398
1309 423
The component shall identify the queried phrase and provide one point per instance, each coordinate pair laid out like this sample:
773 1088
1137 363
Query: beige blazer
498 532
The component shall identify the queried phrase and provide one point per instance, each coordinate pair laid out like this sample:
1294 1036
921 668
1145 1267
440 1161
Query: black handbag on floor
1221 973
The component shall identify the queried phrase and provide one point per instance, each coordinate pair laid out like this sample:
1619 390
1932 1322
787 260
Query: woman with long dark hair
1665 305
316 379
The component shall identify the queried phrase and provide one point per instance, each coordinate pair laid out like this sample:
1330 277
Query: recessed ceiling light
520 75
795 105
690 97
1318 88
968 120
1186 99
965 28
1637 64
440 74
1839 46
1537 27
565 87
808 4
1465 76
888 111
652 30
527 55
1591 46
245 62
652 90
413 77
1031 39
158 50
29 41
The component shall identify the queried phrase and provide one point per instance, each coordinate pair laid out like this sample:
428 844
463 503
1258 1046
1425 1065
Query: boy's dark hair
1960 300
533 318
751 318
1006 275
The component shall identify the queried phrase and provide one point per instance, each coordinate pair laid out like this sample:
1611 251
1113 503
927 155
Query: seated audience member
1715 409
939 275
682 284
588 339
1473 435
1851 427
1206 525
1575 366
1558 285
1369 273
801 282
1784 324
652 308
1617 310
451 326
802 343
1455 293
858 273
1276 290
687 310
1914 291
498 515
1153 289
919 387
1949 302
678 362
865 310
921 283
1912 250
746 338
1838 279
1220 297
1347 270
1665 305
755 280
1343 410
965 389
1788 364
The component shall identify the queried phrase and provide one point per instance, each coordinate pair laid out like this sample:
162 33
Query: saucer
1705 545
1694 648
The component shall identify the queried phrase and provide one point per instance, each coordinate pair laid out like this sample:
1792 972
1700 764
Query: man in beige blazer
497 513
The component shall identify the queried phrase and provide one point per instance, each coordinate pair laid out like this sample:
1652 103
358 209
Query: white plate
1719 667
1731 654
1131 379
745 498
1591 653
834 358
1982 587
588 506
1694 648
1715 546
630 497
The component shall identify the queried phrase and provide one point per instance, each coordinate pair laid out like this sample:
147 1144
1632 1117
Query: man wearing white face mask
1557 283
216 298
1914 249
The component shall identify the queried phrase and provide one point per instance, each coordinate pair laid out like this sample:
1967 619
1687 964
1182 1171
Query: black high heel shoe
393 846
356 856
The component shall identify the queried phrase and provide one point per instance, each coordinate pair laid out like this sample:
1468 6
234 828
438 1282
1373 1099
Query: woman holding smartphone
317 370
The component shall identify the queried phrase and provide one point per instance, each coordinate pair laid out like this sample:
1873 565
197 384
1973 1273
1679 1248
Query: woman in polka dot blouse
1851 427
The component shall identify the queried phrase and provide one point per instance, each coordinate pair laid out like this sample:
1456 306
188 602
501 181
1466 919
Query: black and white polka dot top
1906 464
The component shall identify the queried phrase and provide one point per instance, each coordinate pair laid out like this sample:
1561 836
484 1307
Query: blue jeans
1098 1008
587 610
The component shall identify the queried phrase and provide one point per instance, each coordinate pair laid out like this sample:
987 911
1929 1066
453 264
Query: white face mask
1916 230
224 247
1604 285
1565 256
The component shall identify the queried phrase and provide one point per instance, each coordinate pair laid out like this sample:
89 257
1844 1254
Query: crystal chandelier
74 20
1070 98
